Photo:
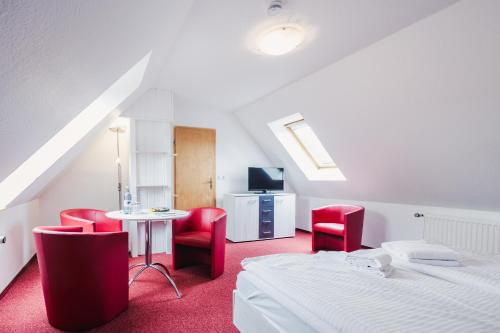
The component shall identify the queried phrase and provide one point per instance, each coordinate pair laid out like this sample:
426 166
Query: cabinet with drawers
253 216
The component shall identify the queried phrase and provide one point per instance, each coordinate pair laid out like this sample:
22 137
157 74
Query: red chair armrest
58 228
88 226
354 219
218 230
105 224
181 225
218 245
354 228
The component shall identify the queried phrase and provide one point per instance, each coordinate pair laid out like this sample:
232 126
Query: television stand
263 215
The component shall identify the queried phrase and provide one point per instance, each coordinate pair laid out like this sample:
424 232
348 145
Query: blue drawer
266 216
266 212
266 230
266 201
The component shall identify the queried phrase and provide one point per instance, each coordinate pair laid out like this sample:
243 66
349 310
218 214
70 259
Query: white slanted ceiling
214 61
57 58
403 95
412 118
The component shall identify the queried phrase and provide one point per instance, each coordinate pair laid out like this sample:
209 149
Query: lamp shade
281 39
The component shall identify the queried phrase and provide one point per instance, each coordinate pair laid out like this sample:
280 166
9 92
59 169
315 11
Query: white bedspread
481 272
325 293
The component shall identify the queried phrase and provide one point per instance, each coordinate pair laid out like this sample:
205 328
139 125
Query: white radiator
474 235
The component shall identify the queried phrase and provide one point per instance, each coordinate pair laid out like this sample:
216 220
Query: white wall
16 224
387 221
90 181
235 149
410 119
154 104
46 83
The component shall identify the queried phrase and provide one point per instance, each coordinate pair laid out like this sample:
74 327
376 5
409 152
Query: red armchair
84 275
200 238
337 227
91 220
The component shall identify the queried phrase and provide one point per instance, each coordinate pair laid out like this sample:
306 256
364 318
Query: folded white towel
420 250
377 258
432 262
380 272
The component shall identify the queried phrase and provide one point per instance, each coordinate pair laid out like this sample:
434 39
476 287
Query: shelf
151 185
152 152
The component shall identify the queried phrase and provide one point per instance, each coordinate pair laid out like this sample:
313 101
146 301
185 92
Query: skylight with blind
305 148
304 134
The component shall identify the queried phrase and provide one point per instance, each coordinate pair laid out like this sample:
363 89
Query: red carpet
206 305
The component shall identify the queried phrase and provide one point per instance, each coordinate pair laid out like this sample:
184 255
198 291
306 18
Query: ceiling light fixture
281 39
275 7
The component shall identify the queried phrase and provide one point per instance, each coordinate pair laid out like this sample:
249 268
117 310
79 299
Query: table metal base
149 261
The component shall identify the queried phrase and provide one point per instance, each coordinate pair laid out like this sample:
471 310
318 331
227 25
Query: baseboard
6 290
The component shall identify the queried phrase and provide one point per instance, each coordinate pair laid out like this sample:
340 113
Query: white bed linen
281 318
480 272
327 295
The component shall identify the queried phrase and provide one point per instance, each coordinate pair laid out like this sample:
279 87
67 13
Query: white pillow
420 249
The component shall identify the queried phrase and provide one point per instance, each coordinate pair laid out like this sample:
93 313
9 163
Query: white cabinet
284 212
248 227
253 216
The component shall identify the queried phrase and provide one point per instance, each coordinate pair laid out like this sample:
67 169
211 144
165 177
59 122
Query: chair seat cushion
329 228
194 238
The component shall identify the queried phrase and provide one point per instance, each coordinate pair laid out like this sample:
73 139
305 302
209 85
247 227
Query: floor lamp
118 130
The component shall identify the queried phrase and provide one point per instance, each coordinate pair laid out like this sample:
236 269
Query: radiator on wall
468 234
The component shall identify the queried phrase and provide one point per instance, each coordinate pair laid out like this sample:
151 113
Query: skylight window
311 144
305 148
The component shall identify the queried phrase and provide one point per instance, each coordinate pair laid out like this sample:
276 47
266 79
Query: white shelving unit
150 179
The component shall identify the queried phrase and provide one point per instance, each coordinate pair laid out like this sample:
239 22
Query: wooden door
194 167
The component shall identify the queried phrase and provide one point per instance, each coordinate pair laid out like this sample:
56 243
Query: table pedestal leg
149 261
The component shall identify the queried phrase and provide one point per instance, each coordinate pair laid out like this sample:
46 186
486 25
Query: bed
318 293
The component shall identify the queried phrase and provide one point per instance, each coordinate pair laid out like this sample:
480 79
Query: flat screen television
265 179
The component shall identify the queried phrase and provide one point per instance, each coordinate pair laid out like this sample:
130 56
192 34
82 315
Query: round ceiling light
281 39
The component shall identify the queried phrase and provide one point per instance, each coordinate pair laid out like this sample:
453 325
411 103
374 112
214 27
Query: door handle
211 182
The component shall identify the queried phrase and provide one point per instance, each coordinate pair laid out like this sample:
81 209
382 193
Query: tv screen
265 179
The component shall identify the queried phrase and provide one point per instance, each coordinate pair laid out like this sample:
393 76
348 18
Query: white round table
148 217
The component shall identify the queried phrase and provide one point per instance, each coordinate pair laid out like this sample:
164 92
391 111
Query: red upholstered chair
200 238
91 220
84 275
337 227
